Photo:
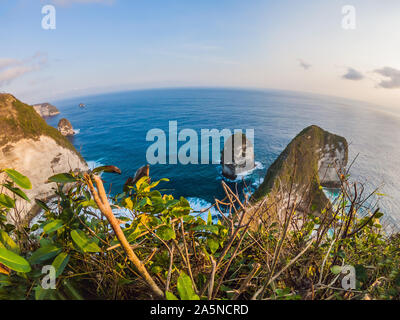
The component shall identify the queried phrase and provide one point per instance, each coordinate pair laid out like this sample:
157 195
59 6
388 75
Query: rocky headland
314 159
37 150
46 110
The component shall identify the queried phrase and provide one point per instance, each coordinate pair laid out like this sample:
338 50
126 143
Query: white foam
241 176
92 164
198 204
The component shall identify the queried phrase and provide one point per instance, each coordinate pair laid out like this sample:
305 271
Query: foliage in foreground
254 252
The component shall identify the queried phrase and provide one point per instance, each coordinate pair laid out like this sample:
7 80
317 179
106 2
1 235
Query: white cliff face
39 160
332 161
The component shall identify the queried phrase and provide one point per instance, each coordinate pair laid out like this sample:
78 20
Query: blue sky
111 45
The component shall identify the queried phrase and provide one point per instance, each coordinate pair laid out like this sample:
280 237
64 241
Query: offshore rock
237 157
65 127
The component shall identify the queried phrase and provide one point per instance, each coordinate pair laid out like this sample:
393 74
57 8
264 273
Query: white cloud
304 64
393 75
353 74
11 69
6 62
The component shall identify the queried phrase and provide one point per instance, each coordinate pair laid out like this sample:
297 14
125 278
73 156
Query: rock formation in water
37 150
237 156
46 110
312 160
65 127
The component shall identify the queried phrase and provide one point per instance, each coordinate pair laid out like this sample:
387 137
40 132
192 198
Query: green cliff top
20 121
298 164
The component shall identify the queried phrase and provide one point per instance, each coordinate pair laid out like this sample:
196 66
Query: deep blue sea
112 130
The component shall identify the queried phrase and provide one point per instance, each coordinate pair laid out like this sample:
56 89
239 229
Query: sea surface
112 128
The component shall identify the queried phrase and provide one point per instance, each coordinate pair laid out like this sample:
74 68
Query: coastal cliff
311 161
33 148
46 109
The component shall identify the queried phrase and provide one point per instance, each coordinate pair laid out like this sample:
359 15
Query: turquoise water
113 127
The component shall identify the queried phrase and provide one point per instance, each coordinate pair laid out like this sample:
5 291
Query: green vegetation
168 247
298 165
20 121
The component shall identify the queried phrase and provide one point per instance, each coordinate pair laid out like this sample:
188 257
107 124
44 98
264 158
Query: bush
141 244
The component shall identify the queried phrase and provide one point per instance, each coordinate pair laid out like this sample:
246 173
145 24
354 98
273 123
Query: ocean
112 128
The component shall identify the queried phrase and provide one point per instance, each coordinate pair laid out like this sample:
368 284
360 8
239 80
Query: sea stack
37 150
237 156
65 127
46 110
314 159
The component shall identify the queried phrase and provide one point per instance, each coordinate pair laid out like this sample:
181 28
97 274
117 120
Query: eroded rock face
65 127
237 156
46 110
35 149
314 158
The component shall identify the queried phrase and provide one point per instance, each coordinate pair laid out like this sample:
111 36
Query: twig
246 281
101 200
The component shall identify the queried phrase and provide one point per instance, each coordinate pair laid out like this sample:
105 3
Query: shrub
141 244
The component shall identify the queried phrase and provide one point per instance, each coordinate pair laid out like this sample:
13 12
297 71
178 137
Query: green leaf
212 244
209 218
17 191
84 242
361 273
72 292
42 204
128 203
141 181
53 226
155 184
42 294
170 296
14 261
336 269
144 201
60 262
379 215
89 203
6 201
185 288
62 178
8 242
44 253
166 233
109 169
19 179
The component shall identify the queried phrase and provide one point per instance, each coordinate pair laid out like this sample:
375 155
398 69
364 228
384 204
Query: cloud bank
394 78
